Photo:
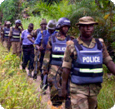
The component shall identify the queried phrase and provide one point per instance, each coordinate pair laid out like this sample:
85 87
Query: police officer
34 33
14 37
6 31
28 50
41 41
84 58
53 59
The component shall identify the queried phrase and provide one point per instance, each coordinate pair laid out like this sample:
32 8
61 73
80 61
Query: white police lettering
91 59
59 48
6 31
16 33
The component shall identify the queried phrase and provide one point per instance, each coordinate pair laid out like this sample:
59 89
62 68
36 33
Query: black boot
30 73
35 76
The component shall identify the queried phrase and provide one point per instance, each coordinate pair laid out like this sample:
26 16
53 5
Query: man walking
53 61
14 37
84 58
6 31
28 50
41 42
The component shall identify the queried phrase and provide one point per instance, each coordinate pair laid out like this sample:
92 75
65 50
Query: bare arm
32 35
111 66
38 47
31 39
21 41
67 64
107 59
21 27
65 77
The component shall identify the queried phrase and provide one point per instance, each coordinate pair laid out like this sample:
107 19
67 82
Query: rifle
36 65
44 84
9 45
58 88
68 99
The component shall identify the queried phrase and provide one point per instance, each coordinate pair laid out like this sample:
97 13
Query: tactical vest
87 68
15 35
58 49
6 32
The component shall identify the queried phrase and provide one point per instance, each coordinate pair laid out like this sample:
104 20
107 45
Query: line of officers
74 75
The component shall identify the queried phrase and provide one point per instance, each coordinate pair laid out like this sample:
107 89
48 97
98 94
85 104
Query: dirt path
45 99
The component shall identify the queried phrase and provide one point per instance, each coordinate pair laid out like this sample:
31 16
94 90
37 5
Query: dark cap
51 25
43 21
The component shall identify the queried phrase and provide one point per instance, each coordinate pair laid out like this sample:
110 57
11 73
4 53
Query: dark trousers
41 62
28 57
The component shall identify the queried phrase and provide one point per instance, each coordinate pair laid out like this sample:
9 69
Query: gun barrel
45 79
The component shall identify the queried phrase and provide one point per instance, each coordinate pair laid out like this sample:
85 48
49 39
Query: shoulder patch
41 31
101 40
69 42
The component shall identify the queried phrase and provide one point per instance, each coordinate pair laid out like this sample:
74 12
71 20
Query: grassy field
16 92
106 98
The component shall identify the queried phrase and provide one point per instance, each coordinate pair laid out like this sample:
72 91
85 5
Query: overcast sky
113 1
1 1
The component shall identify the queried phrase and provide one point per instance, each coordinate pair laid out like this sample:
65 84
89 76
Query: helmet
51 25
18 21
63 21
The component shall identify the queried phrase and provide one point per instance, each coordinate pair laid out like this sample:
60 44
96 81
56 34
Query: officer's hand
41 48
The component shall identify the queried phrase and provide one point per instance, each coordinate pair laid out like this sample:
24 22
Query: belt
28 46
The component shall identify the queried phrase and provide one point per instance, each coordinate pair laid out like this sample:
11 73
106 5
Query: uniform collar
92 43
49 33
58 37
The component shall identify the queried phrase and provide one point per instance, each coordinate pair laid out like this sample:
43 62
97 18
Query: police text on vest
59 48
91 59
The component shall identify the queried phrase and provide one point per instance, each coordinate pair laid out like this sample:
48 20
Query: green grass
106 97
16 92
35 20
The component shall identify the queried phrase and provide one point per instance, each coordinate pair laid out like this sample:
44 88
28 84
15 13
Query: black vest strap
68 38
78 45
99 45
53 36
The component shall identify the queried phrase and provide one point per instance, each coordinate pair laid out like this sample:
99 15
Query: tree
11 10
